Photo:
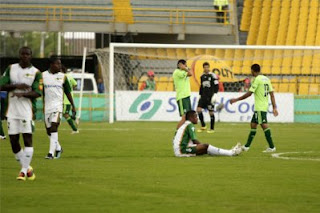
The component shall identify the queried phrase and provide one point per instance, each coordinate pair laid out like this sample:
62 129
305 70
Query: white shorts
53 117
17 126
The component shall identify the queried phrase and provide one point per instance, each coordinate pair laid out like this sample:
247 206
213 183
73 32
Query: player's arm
196 141
274 105
36 88
73 82
5 83
143 86
248 94
67 91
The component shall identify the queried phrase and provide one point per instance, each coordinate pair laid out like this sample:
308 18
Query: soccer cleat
58 153
49 156
237 149
202 129
30 174
268 150
2 137
210 131
244 148
75 132
21 176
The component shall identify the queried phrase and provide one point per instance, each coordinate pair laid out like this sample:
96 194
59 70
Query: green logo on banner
146 107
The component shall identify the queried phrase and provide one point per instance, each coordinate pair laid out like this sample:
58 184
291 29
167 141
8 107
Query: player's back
261 86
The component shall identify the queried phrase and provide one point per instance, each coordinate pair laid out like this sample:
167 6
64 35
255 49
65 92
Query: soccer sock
267 133
19 156
250 137
28 152
72 124
212 120
53 142
201 119
217 151
1 129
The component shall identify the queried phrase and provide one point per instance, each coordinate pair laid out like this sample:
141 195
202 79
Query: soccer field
130 167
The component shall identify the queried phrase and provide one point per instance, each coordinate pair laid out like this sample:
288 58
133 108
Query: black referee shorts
205 103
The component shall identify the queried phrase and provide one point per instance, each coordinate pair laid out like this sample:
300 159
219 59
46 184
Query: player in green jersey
186 144
261 87
66 102
182 86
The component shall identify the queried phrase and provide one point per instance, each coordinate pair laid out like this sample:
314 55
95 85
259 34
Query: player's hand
233 100
74 113
23 86
275 112
18 95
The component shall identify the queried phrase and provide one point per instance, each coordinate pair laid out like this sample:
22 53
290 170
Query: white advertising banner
162 106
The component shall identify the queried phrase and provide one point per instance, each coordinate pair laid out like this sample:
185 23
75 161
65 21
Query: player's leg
253 131
212 119
200 107
28 153
184 105
267 132
66 115
236 150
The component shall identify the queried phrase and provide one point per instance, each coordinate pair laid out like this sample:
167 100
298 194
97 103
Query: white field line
279 155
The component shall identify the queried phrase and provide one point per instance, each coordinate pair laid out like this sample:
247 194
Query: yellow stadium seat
170 86
171 53
275 87
292 88
303 89
228 56
246 70
200 51
191 53
219 53
210 52
275 70
275 80
181 53
285 70
314 89
283 87
266 69
238 57
161 86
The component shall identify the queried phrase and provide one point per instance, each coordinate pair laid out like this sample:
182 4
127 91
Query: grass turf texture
129 167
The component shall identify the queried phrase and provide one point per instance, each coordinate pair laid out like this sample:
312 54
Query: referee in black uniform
208 94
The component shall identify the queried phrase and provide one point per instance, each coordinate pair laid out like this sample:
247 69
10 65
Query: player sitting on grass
261 87
185 143
208 93
55 84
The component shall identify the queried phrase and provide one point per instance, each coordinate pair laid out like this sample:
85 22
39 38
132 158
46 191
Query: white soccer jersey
53 89
21 108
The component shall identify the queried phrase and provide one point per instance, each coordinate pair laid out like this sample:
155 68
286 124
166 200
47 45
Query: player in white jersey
22 81
55 84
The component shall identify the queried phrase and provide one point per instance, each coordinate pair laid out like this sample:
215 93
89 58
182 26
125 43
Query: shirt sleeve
191 132
66 85
73 82
254 86
270 87
37 83
5 79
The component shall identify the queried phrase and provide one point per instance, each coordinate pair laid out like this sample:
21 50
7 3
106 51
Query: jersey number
266 90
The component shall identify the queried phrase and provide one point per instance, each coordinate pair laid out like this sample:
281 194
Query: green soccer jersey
184 135
261 86
181 83
72 84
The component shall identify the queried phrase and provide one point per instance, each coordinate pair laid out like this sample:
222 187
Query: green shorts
188 150
259 117
184 105
66 108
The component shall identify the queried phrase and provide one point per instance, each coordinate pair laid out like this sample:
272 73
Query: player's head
192 116
255 69
206 67
181 64
25 55
55 64
150 74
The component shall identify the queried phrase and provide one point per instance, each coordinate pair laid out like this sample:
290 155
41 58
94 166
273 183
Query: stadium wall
95 108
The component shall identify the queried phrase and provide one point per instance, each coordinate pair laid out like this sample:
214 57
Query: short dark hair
255 67
53 59
189 114
25 48
182 61
205 64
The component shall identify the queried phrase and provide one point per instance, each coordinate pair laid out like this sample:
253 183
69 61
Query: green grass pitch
130 167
